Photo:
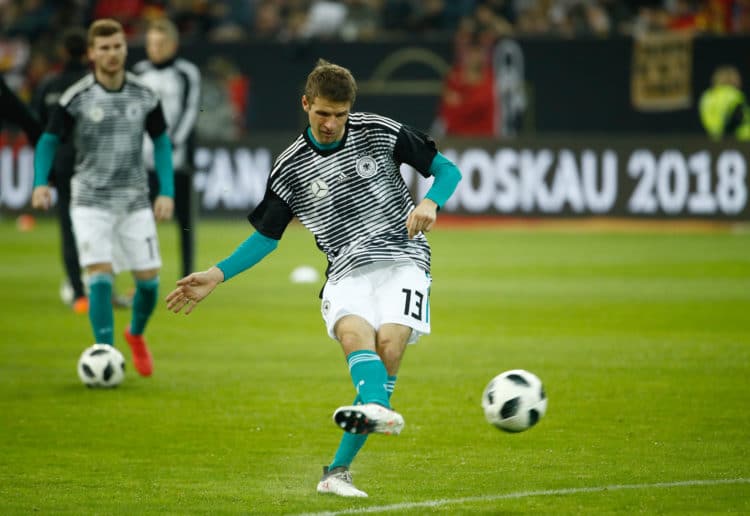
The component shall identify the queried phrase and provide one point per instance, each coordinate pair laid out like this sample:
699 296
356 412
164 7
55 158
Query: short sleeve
415 148
156 124
271 216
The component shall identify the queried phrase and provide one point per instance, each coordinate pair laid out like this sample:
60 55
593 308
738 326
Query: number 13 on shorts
417 304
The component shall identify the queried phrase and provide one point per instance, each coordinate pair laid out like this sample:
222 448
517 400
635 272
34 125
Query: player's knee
99 268
354 333
146 275
391 344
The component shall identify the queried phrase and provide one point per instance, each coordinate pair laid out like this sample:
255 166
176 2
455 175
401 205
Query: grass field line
528 494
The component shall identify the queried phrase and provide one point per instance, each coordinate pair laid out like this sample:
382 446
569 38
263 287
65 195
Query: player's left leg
144 302
391 342
138 251
183 211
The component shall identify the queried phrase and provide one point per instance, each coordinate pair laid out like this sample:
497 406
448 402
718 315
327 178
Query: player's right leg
369 376
92 228
138 251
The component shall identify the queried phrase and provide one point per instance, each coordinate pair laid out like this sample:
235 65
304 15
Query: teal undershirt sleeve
447 177
44 156
256 247
163 163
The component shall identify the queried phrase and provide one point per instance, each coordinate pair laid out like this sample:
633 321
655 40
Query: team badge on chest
366 167
96 114
319 188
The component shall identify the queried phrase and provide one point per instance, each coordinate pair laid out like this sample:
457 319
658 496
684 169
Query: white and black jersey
352 198
107 129
178 83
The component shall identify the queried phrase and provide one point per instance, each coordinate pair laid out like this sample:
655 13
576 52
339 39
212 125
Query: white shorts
381 293
126 240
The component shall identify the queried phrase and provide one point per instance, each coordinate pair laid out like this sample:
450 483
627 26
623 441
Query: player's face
327 118
159 46
108 53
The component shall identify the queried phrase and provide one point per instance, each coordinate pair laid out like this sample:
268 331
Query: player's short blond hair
103 28
166 27
331 81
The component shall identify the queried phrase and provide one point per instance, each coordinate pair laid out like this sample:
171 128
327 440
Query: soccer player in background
13 109
105 115
177 81
46 98
341 178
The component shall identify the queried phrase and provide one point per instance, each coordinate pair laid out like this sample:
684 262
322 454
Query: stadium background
595 102
639 330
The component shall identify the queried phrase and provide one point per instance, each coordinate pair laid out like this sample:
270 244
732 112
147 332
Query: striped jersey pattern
177 83
108 136
354 199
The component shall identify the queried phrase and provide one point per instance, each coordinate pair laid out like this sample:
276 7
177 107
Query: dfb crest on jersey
367 167
319 188
96 114
133 111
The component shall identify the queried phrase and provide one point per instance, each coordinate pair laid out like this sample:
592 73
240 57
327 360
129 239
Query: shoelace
346 476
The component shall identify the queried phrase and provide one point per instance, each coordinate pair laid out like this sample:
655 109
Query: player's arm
419 150
14 109
60 124
156 126
270 218
188 115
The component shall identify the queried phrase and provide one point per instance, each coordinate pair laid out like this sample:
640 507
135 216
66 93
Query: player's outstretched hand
163 207
41 198
193 288
422 218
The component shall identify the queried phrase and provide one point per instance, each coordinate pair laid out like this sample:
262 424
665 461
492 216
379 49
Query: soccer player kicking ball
105 114
341 178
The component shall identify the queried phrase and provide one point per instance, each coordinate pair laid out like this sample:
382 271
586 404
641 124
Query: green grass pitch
642 341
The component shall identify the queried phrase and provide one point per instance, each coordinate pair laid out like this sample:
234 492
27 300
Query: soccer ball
514 401
101 365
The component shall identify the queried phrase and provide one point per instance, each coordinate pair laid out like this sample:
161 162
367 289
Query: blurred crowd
221 20
29 29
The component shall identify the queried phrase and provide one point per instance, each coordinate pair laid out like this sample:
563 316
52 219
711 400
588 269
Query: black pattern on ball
510 408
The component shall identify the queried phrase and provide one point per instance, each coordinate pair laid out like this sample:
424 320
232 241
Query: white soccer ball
514 401
101 365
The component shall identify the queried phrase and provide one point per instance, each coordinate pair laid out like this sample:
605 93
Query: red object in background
238 87
468 108
126 12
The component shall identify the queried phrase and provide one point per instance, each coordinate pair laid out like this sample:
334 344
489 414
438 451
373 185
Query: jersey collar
325 150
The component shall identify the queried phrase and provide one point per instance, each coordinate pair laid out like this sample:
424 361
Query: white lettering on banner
478 190
599 201
232 178
518 180
731 190
663 183
701 201
533 169
16 177
506 170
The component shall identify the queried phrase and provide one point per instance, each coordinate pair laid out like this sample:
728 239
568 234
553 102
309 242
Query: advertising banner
641 178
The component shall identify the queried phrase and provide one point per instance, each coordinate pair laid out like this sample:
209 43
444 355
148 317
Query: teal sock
369 376
351 443
144 302
100 307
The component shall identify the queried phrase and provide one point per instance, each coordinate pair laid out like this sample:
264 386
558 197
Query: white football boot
368 418
338 481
